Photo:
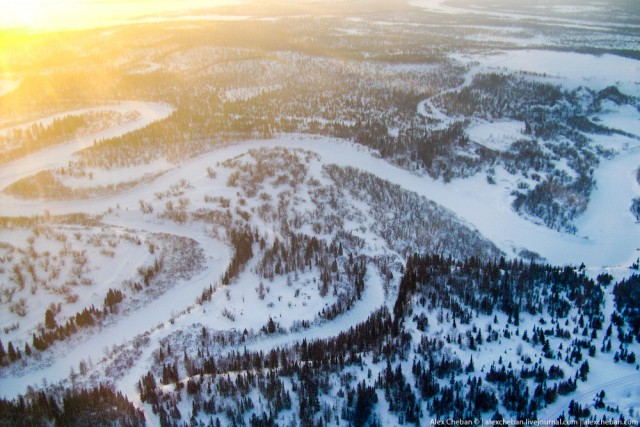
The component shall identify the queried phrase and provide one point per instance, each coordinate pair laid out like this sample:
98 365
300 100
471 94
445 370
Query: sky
52 15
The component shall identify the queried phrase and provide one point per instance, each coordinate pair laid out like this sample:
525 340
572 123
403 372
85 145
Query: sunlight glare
52 15
21 14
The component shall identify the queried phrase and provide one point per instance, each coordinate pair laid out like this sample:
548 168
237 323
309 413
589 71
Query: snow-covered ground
485 207
609 238
568 69
482 205
625 118
8 85
373 297
560 15
607 234
59 155
498 135
127 327
121 175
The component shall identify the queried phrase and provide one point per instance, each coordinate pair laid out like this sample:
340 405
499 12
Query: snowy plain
569 69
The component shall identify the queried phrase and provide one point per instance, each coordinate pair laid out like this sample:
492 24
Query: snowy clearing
498 135
625 118
570 69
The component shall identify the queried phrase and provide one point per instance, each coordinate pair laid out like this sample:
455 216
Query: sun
56 15
24 14
53 15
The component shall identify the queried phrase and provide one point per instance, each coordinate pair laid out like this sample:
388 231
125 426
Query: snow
394 131
625 118
8 85
104 272
519 40
572 9
480 204
372 298
607 233
253 313
122 107
616 143
570 69
59 155
117 176
246 93
607 222
542 14
178 298
437 6
497 135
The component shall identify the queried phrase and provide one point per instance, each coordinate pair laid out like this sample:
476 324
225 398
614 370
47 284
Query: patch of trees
494 95
555 203
627 297
276 166
56 332
242 243
53 331
400 396
42 185
48 185
408 222
11 354
37 136
339 273
635 208
510 287
341 270
114 296
83 219
222 381
101 405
